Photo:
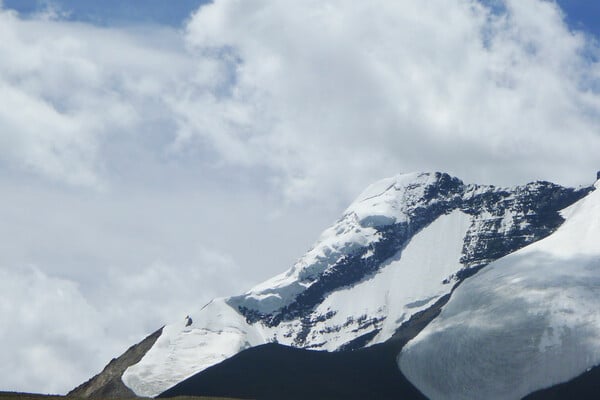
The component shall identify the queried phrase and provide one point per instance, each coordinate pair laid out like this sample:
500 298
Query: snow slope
403 287
527 321
383 203
182 350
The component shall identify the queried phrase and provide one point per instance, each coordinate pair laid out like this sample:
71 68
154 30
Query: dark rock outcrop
108 384
584 387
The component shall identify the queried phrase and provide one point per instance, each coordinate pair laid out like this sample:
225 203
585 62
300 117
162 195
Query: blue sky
581 14
115 12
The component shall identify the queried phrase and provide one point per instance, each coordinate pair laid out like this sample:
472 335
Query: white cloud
323 96
329 93
46 328
67 88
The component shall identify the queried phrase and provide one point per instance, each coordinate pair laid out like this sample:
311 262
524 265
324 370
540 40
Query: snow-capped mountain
399 249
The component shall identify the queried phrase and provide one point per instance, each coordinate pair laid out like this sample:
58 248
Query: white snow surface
181 350
343 238
385 202
382 203
527 321
407 284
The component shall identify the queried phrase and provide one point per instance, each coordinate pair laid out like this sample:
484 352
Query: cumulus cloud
68 88
322 97
331 93
46 324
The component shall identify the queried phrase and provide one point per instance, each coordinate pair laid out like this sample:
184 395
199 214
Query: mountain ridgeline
378 277
503 220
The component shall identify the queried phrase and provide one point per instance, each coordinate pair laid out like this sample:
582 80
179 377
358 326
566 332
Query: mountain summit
399 252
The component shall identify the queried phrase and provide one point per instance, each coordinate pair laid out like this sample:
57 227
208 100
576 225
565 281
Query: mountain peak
386 202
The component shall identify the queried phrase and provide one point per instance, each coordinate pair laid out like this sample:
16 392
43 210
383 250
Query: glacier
528 321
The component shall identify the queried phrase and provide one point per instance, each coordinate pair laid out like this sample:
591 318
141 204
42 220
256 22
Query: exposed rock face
108 384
